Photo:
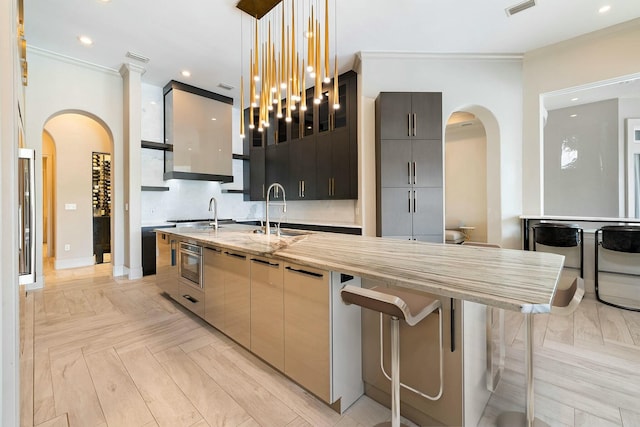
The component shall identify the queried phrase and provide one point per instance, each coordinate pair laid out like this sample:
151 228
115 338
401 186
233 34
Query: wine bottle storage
101 184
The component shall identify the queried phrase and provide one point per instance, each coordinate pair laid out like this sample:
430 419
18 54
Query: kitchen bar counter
504 278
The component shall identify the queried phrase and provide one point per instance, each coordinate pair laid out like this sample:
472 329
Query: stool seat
410 307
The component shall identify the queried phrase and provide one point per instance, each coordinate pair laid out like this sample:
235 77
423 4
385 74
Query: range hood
197 130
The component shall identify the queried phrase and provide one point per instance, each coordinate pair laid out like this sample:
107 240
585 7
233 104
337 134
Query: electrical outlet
67 247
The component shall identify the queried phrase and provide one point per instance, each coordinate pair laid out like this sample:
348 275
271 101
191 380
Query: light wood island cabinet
214 287
267 310
237 297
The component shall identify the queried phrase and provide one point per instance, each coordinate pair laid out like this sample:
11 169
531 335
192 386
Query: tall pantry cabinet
409 166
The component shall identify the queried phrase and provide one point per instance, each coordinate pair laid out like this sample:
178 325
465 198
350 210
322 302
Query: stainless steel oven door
191 264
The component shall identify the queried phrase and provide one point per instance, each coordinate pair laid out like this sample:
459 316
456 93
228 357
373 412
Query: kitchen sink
283 233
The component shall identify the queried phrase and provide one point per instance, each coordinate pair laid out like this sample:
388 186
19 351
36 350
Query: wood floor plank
55 305
308 407
614 327
633 323
77 302
585 419
167 403
263 406
586 324
630 418
99 301
26 357
59 421
217 407
121 402
560 329
73 390
44 406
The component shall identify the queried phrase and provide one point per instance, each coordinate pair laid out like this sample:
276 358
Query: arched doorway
473 173
72 140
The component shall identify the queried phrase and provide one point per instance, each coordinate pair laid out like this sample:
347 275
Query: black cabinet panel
277 167
302 170
315 156
257 174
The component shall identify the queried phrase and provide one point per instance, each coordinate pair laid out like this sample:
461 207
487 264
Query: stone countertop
511 279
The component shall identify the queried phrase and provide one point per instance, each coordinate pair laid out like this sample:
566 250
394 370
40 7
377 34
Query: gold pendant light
281 64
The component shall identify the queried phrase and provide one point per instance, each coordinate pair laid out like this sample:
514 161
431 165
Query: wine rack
101 184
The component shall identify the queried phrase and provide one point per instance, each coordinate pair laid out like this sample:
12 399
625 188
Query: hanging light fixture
277 64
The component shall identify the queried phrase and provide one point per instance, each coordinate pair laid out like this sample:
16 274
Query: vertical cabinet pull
415 200
408 124
414 125
409 199
408 172
263 196
299 188
303 188
415 173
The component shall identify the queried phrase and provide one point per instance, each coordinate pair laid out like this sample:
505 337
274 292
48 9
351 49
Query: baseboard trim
62 264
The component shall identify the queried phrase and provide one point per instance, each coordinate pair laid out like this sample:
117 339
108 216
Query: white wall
10 96
468 83
598 56
59 85
76 137
465 183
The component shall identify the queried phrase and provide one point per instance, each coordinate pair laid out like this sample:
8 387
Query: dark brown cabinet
314 156
409 166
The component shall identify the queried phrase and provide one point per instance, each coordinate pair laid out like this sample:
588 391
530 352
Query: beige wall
75 136
595 57
465 182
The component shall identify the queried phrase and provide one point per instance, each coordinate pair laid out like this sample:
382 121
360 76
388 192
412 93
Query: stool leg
395 372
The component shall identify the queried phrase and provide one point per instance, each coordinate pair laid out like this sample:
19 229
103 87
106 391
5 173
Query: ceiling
204 36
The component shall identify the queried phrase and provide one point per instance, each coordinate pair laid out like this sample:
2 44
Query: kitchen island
471 277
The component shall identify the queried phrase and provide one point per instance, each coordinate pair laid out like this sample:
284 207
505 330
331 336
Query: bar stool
560 236
398 304
618 238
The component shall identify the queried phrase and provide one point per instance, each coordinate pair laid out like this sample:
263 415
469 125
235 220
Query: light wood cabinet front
214 288
267 310
307 323
237 297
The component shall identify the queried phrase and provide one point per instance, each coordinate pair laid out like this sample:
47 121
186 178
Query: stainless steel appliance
26 216
190 265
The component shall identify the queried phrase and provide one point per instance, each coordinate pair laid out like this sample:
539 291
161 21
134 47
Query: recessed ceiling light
186 73
214 119
573 115
105 1
574 99
85 40
604 9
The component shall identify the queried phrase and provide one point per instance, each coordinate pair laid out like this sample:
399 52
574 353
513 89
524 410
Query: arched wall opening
72 137
473 168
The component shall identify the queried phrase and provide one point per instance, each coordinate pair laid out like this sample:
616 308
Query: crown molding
516 57
70 60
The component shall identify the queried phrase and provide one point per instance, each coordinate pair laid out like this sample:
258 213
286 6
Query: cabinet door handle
408 172
218 251
415 173
303 188
236 255
299 188
415 200
308 273
409 199
414 125
408 124
190 298
263 196
261 261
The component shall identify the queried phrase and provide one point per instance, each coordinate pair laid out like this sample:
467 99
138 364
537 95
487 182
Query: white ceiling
204 36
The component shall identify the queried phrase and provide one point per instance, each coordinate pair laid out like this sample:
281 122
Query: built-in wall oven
190 265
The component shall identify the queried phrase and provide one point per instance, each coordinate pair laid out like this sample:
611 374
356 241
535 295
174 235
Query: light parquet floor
103 351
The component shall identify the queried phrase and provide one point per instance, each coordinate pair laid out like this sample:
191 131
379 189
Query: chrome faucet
266 210
215 212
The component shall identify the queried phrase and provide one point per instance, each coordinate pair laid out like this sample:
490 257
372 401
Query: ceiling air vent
137 57
225 86
520 7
